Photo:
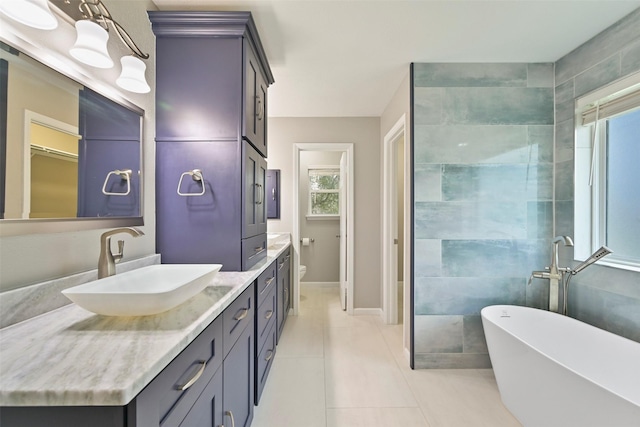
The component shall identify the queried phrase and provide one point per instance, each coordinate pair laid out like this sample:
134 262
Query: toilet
303 270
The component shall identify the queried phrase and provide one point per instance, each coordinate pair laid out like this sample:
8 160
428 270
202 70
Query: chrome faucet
554 273
107 261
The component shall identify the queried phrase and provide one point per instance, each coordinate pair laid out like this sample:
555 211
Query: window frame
590 200
310 215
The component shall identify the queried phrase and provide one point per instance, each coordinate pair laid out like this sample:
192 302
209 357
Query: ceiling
337 58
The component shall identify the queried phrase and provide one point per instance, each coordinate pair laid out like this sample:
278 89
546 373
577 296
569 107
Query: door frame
389 226
346 148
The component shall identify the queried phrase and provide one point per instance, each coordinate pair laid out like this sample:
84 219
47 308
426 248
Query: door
254 180
344 198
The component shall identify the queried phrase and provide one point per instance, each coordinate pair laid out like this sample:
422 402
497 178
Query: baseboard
367 312
321 284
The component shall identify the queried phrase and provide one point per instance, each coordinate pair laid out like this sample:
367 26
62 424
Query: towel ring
125 175
196 175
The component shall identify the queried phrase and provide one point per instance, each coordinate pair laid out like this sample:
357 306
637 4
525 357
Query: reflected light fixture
34 13
92 36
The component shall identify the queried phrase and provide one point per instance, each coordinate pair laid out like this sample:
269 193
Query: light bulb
91 45
132 76
34 13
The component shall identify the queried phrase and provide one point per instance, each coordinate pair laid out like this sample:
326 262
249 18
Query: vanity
199 364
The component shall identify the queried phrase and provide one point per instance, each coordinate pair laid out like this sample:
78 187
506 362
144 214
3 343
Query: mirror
66 151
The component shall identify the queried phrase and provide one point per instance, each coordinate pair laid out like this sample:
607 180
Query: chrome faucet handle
117 257
537 275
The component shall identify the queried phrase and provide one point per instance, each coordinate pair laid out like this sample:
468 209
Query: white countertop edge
62 390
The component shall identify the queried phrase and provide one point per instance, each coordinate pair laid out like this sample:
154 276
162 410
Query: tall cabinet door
254 179
255 102
273 193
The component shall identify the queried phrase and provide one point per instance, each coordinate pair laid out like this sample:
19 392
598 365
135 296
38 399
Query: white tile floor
335 370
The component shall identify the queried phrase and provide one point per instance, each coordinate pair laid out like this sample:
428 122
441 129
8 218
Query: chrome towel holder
196 175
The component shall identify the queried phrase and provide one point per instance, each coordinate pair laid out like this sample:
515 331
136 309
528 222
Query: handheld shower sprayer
602 252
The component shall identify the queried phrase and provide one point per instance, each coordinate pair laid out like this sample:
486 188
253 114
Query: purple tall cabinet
212 77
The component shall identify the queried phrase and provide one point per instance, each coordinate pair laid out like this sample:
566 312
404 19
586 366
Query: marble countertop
72 357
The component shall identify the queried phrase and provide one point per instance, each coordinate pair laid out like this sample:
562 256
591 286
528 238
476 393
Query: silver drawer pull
268 356
194 378
230 415
245 313
268 315
258 249
269 281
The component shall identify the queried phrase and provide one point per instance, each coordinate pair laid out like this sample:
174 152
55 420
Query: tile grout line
404 376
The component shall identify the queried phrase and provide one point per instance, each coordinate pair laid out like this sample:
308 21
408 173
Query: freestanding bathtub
553 370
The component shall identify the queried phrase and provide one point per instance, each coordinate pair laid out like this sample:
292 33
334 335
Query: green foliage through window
324 191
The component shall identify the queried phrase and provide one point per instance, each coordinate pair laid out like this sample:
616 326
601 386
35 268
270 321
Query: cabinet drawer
266 281
254 249
265 316
283 259
236 317
264 361
170 396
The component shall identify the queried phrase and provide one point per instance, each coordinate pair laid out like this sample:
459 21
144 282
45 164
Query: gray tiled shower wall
605 297
483 185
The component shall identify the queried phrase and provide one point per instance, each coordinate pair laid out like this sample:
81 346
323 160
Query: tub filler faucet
553 273
108 260
556 275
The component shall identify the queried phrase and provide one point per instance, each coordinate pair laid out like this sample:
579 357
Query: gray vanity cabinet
211 97
284 289
265 326
217 218
210 381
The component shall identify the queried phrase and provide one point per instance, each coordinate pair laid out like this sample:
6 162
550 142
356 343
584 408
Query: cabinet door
203 101
254 179
238 385
273 193
284 290
255 102
207 411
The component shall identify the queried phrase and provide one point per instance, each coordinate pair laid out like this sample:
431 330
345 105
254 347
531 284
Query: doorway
344 218
396 264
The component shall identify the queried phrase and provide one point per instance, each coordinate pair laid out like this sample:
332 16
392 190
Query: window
324 192
608 176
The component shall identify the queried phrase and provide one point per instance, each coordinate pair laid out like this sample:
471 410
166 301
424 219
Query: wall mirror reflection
66 150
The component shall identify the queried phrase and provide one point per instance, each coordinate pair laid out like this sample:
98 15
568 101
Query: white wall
398 106
37 257
364 133
322 257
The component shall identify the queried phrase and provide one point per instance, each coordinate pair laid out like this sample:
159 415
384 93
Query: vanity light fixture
91 46
34 13
92 32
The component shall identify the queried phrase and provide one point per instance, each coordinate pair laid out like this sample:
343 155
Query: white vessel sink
145 291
